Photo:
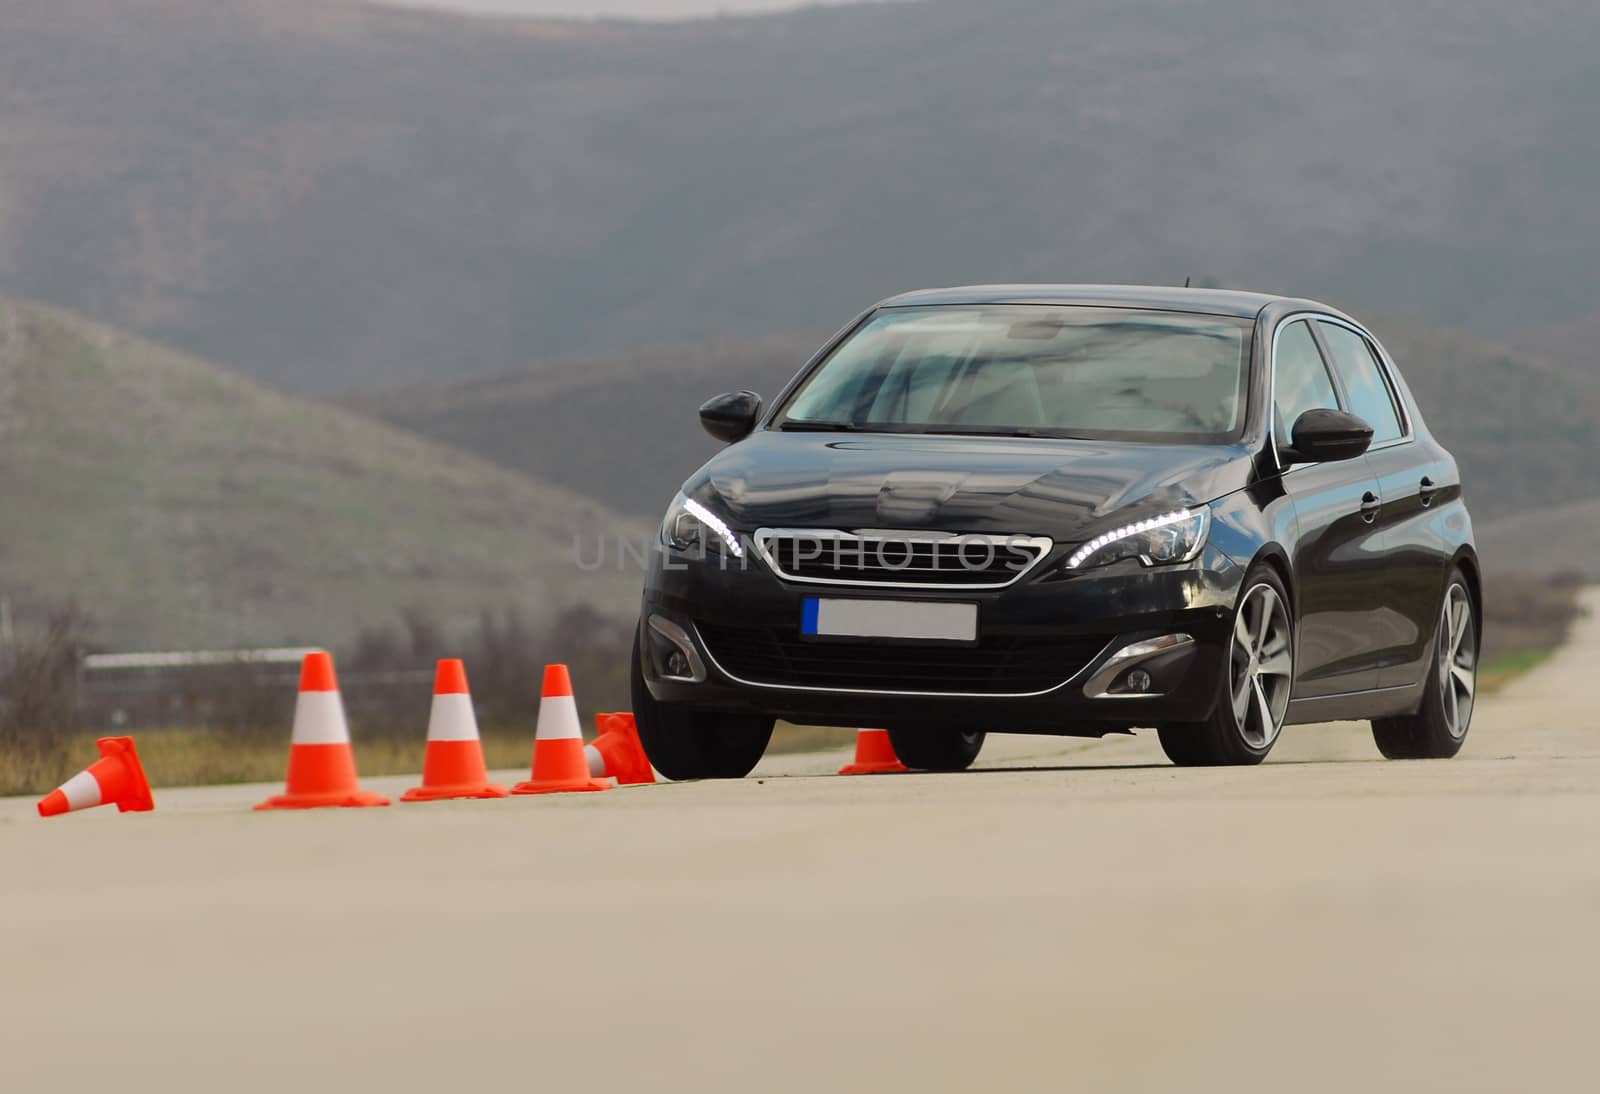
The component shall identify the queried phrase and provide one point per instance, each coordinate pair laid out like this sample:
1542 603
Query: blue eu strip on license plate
910 619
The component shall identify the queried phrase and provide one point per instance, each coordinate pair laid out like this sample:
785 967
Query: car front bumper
1105 611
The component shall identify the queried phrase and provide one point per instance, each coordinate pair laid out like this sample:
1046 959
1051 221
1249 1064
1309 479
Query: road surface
1075 916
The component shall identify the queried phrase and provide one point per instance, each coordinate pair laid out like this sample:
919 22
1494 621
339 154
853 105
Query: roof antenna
1186 282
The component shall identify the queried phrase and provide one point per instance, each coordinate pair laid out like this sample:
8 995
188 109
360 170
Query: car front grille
1004 665
905 559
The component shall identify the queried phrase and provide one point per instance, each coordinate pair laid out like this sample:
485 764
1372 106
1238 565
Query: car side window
1370 397
1301 381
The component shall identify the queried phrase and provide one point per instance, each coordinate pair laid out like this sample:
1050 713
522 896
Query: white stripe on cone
319 719
597 762
82 791
452 718
558 718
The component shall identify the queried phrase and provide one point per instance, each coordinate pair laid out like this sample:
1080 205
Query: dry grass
204 757
207 757
1526 620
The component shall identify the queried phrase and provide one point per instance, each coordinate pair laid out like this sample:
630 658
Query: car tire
937 749
686 743
1439 727
1221 740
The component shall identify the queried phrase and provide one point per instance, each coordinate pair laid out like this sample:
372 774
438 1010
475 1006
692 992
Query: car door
1415 549
1337 559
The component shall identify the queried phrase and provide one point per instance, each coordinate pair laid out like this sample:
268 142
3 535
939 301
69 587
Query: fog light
1122 675
674 651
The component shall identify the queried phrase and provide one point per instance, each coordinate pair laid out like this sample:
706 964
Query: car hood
1026 486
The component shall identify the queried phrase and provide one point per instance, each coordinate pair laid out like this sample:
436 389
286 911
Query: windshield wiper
990 431
801 425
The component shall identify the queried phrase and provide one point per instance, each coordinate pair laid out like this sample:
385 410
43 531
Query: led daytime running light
1177 516
715 523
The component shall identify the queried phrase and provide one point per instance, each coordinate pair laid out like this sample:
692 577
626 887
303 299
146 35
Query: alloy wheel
1261 668
1458 660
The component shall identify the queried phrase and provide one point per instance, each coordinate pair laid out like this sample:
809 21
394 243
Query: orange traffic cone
618 752
453 766
874 755
558 759
117 778
322 769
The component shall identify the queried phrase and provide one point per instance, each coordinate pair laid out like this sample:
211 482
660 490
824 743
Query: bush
38 701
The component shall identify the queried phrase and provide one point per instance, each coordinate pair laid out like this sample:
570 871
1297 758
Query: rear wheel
1439 727
1259 674
686 743
937 749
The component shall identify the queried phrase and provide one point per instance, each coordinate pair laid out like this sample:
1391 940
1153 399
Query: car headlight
1171 537
691 527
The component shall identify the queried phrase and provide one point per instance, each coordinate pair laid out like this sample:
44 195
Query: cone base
445 793
360 799
893 767
561 786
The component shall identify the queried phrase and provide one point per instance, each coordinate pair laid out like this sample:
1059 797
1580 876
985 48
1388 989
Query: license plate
909 619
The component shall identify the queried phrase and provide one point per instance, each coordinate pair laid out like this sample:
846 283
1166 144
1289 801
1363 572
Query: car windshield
1023 371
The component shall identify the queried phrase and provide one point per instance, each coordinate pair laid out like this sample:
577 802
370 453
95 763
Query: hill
327 194
623 428
185 506
1573 346
1560 539
1524 430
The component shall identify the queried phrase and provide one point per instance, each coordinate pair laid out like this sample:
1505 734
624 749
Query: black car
1066 510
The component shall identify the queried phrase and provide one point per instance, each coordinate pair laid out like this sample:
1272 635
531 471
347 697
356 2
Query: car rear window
1370 397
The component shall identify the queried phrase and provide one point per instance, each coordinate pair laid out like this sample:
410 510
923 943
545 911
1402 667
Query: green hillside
623 428
184 506
328 194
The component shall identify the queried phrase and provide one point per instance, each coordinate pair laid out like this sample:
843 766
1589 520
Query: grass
210 757
1527 620
1496 672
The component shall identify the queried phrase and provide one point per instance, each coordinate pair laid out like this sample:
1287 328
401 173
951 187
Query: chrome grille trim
902 693
766 539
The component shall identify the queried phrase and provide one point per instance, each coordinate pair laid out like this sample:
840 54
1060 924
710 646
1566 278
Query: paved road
1072 917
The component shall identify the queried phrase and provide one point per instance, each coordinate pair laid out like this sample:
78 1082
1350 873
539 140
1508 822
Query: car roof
1244 305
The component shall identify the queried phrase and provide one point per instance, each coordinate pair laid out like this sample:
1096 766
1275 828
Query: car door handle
1425 491
1370 506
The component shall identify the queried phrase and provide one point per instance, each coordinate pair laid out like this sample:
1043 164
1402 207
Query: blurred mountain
1524 430
1555 540
1573 346
623 428
327 194
183 506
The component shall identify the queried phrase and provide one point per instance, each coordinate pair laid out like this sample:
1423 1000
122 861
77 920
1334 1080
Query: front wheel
937 749
1439 727
1258 676
686 743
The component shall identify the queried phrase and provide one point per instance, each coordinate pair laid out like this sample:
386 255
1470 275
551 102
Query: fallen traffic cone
453 765
322 769
874 755
618 752
117 778
558 760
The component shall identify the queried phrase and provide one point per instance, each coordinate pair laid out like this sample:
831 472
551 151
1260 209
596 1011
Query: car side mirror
731 417
1324 436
